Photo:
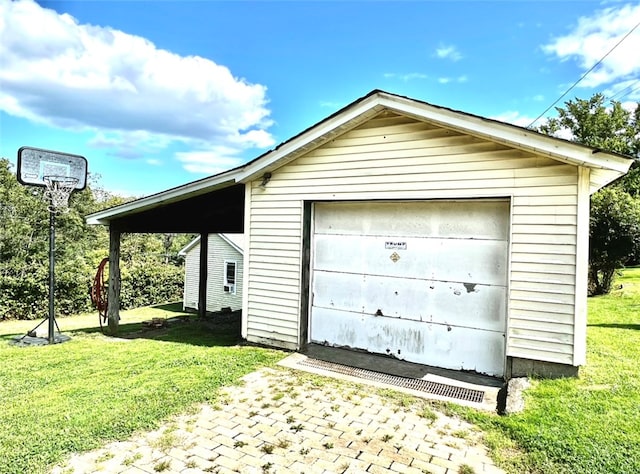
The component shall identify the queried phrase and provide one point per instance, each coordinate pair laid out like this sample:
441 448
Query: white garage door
420 281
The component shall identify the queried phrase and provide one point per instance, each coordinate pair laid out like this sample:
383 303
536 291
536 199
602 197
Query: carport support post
203 272
113 308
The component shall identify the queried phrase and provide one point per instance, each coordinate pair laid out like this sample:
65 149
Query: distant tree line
151 270
614 237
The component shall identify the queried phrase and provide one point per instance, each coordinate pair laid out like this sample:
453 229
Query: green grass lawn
590 424
75 396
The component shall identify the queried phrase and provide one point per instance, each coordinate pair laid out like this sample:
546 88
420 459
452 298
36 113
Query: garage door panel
422 281
461 260
449 303
425 343
446 219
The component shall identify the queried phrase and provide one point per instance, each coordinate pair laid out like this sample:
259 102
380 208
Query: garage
399 227
421 281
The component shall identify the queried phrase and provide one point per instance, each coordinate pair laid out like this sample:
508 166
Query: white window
230 276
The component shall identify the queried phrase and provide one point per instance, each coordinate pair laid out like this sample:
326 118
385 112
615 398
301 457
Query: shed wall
191 278
394 157
219 251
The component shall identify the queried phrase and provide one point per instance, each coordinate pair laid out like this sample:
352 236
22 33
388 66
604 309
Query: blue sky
158 94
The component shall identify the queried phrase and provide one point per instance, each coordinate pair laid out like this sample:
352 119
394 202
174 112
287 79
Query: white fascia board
358 113
189 246
511 135
195 188
233 244
312 138
196 241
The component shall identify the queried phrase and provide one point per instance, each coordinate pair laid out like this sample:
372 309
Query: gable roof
605 167
234 240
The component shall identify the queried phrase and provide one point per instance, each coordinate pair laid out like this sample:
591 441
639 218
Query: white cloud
564 133
327 104
405 77
448 52
514 117
447 80
594 36
130 144
138 98
211 161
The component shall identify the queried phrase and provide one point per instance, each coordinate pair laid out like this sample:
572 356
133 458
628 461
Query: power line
637 81
585 74
628 93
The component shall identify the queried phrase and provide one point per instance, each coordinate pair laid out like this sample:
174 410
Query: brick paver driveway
285 421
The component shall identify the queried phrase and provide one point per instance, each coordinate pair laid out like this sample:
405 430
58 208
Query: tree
615 234
24 247
614 129
615 211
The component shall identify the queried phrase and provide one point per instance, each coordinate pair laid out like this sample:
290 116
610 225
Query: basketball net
59 188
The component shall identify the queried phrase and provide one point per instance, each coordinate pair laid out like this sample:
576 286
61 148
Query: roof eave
231 243
179 193
189 246
359 112
512 135
363 109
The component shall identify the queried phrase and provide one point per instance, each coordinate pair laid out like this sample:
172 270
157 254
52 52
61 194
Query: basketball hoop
59 189
60 174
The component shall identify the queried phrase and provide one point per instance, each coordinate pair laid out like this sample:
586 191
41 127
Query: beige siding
217 298
398 158
274 282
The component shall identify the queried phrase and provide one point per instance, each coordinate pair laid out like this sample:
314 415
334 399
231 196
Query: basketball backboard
34 164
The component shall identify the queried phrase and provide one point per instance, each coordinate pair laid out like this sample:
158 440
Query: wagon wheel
99 294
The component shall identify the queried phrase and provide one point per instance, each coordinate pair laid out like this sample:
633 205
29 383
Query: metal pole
52 280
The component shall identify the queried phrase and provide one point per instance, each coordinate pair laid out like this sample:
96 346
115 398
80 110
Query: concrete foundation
517 367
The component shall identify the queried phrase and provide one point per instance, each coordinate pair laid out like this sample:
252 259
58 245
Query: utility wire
624 91
585 74
629 93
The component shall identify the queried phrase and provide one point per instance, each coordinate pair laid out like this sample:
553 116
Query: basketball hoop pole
59 189
52 278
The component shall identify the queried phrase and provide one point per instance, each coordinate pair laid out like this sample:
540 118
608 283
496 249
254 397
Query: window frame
228 286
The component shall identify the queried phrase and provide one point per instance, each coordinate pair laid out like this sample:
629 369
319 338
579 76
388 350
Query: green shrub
146 283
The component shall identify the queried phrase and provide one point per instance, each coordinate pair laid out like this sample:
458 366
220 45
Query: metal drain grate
434 388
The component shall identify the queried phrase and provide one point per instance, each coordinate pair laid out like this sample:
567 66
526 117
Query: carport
203 207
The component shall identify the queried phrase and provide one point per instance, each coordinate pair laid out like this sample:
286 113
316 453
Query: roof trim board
512 135
189 246
235 242
195 188
610 165
226 237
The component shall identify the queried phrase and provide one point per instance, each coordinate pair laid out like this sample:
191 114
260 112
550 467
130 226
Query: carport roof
208 205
